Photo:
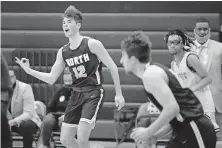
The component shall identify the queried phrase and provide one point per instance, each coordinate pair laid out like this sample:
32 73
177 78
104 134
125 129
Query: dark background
115 7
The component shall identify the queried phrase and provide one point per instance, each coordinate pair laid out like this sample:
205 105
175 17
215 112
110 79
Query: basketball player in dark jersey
84 57
181 111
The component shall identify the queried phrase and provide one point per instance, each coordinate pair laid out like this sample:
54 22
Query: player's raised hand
120 101
24 63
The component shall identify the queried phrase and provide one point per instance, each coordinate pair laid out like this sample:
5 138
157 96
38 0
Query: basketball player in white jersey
187 66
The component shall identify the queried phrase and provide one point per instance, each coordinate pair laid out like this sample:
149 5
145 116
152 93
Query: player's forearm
167 129
46 77
203 83
116 80
167 114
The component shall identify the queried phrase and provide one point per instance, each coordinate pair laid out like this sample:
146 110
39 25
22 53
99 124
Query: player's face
70 27
174 44
127 62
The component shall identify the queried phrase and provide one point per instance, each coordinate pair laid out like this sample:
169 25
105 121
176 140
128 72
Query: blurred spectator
144 112
6 93
55 111
40 109
210 54
21 112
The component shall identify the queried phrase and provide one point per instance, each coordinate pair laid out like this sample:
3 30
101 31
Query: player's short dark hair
202 20
139 45
186 40
74 13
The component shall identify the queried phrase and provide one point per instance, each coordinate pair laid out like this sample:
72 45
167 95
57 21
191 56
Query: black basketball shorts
83 106
198 133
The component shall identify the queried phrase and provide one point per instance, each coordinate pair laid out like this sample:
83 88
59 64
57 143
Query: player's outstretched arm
51 77
194 62
98 49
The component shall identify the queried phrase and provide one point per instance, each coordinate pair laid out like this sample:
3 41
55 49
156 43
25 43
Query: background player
180 108
192 73
83 56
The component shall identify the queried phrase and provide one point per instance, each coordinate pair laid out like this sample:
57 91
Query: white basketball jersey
190 78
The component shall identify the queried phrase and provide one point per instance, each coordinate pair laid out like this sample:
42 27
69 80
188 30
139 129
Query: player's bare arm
156 82
98 49
194 62
167 129
51 77
161 133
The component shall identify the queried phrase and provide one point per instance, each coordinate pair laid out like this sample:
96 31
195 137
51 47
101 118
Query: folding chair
124 120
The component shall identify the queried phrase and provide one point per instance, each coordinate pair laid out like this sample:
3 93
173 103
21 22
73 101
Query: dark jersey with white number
85 67
190 106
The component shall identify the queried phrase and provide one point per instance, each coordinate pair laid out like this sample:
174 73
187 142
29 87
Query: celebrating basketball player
84 57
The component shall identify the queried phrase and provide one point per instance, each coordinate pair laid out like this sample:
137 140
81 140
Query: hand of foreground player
24 63
120 101
140 134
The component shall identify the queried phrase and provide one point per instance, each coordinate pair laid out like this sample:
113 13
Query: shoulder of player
192 58
63 48
153 78
94 44
153 73
60 51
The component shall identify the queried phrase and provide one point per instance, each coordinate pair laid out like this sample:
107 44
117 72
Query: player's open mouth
66 30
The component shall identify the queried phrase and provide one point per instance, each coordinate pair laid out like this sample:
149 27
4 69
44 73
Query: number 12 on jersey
79 71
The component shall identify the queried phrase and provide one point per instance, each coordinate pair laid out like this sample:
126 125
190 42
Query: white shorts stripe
197 134
98 75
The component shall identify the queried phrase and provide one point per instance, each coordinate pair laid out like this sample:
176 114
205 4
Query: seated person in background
40 109
55 108
21 111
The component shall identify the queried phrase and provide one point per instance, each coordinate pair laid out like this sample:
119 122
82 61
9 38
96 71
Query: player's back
85 66
190 106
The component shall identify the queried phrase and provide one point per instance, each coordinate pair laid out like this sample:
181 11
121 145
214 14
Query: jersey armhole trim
190 68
